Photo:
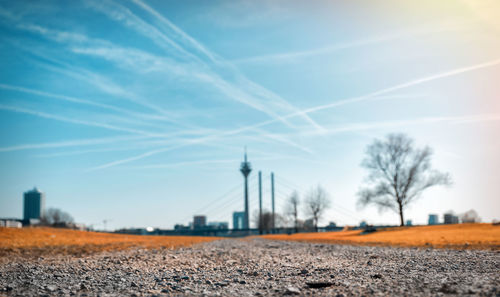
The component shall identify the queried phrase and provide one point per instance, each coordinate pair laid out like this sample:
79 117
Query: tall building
199 222
433 219
238 219
34 204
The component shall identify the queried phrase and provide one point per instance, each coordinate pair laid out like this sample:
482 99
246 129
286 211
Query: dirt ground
34 242
458 236
257 267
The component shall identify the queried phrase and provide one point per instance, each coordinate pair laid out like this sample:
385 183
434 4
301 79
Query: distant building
450 218
470 216
433 219
218 225
199 222
10 223
409 223
238 219
34 204
179 227
309 224
363 224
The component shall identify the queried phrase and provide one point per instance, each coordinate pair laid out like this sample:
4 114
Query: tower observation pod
245 169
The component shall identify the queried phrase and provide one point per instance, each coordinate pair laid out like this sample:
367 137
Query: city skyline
137 112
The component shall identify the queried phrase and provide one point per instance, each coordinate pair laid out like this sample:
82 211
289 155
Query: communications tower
245 169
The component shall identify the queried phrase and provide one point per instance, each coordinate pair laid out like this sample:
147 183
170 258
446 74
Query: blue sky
137 111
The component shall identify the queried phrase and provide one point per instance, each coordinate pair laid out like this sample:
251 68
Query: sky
137 112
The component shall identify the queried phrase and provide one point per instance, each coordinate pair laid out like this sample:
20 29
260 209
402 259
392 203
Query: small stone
292 291
242 282
317 285
304 271
222 284
376 276
51 288
447 289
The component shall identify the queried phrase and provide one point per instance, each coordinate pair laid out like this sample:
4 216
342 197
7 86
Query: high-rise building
199 222
433 219
34 204
238 219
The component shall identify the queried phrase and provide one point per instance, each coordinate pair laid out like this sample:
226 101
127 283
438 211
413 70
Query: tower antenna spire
245 169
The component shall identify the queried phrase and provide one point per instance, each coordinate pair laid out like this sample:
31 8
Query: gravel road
257 267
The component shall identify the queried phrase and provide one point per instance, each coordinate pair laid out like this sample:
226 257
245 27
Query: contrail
402 86
382 91
209 161
75 121
176 29
438 28
70 143
362 126
189 142
82 101
230 89
372 95
138 157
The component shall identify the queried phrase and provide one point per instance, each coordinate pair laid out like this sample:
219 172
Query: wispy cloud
374 125
242 90
88 151
76 121
70 143
83 102
132 56
103 83
130 159
411 83
378 93
210 161
402 34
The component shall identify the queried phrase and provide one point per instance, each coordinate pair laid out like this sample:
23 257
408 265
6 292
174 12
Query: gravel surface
257 267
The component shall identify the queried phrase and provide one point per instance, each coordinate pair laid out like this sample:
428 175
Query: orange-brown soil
474 236
50 241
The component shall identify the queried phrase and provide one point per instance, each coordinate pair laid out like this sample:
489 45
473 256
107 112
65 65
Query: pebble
258 267
292 291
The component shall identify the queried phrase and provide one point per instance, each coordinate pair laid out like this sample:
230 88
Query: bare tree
398 173
54 216
316 202
292 209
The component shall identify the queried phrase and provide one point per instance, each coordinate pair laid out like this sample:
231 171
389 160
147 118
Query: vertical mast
272 199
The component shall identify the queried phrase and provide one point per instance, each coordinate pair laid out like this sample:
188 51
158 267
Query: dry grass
34 242
473 236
